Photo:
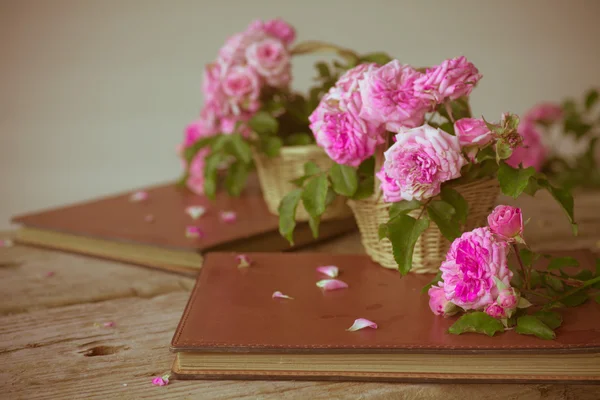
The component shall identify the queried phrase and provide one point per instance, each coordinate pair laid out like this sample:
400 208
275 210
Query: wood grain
53 344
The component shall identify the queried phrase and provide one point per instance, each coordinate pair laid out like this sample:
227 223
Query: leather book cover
160 222
231 311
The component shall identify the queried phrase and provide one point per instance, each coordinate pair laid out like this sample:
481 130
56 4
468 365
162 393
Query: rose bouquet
251 116
560 140
417 168
475 279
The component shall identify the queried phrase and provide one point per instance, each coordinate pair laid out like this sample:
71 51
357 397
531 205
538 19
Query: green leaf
478 322
445 217
553 282
576 299
550 318
404 231
513 180
532 186
597 298
382 231
535 279
378 58
530 325
263 123
330 197
366 188
434 281
314 222
323 70
590 99
528 257
403 207
367 167
584 275
503 150
448 127
459 203
211 164
310 168
239 148
299 139
343 180
598 267
220 142
191 151
564 198
287 214
272 146
486 154
235 181
314 195
561 262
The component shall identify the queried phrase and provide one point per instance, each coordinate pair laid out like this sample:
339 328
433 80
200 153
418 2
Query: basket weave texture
275 176
431 247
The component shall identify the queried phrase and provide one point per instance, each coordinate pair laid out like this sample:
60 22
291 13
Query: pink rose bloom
241 84
211 81
195 180
276 28
341 132
198 129
438 303
471 264
506 222
451 79
419 162
494 310
545 112
233 51
532 152
472 131
508 299
271 60
349 82
389 97
389 187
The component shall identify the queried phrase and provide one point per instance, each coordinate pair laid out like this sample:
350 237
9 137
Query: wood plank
61 354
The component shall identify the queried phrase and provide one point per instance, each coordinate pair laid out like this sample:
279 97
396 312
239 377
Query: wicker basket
275 176
432 246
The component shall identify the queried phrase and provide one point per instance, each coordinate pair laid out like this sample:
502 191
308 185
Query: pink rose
451 79
494 310
508 299
472 131
389 187
195 180
242 86
545 112
233 51
506 222
340 131
419 162
438 303
532 152
276 28
389 98
271 60
349 82
471 265
211 81
198 129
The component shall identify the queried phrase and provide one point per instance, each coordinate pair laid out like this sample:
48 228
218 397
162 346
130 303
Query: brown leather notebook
233 329
153 232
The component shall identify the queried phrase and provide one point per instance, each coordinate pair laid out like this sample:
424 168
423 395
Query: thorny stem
523 270
449 111
570 281
572 292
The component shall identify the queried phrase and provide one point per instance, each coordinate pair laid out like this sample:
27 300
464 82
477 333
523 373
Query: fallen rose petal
195 211
49 274
149 218
193 232
332 284
279 295
109 324
228 216
361 323
243 261
330 270
6 243
161 380
138 196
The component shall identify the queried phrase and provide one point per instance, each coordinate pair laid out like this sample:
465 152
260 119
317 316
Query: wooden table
53 344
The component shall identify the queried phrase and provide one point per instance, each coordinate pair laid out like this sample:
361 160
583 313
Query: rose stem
523 270
449 111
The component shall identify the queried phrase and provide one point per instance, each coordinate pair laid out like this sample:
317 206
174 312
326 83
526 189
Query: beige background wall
94 93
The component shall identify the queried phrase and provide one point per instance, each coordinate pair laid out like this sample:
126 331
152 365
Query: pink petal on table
161 380
279 295
6 243
330 270
332 284
138 196
228 216
149 218
361 323
109 324
193 232
243 261
49 274
195 211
